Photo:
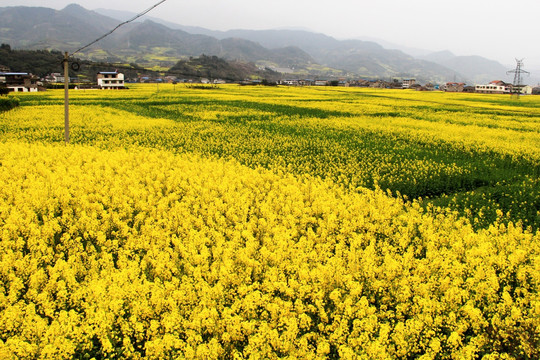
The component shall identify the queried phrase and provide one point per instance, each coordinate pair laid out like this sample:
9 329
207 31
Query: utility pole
66 98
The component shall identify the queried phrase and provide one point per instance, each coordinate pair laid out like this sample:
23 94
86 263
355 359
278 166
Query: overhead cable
122 24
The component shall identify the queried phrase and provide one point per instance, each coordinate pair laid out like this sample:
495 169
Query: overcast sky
496 29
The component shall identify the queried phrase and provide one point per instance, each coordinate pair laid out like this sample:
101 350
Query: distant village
26 82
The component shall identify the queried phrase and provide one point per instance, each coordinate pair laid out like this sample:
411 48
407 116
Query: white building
289 82
110 80
407 83
492 89
55 78
526 90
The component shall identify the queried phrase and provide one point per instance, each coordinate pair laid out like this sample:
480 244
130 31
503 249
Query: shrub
8 103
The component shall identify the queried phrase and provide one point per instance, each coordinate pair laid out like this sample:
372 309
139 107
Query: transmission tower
518 83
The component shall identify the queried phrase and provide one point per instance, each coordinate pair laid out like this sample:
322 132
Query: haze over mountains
156 42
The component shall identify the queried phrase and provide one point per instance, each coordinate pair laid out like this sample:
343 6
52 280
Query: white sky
489 28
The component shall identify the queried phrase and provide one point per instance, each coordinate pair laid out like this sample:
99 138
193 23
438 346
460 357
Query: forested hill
152 44
145 43
213 67
302 53
37 62
44 62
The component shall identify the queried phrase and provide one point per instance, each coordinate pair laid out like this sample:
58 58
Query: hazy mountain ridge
335 53
127 15
74 26
476 68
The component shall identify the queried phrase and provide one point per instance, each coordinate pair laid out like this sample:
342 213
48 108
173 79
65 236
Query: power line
66 66
517 86
119 25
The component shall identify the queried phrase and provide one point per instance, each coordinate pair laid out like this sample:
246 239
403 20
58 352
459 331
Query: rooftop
12 73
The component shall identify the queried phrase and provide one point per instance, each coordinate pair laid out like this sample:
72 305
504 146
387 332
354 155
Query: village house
306 82
54 78
408 83
251 82
396 84
454 87
110 80
19 82
526 90
320 82
171 79
494 87
363 83
290 82
380 84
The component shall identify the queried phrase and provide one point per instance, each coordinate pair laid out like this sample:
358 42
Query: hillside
146 43
369 57
37 62
212 67
39 27
44 62
157 43
364 58
479 69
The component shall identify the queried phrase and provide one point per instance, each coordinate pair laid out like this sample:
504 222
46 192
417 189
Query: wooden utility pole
66 97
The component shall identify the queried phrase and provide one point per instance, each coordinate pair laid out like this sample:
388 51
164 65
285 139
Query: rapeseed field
267 223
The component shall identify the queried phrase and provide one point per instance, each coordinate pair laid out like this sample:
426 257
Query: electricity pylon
517 85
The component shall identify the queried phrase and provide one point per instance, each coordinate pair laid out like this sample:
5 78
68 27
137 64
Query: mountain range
160 44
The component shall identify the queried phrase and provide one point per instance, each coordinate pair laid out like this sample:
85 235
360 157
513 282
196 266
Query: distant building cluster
25 82
494 87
